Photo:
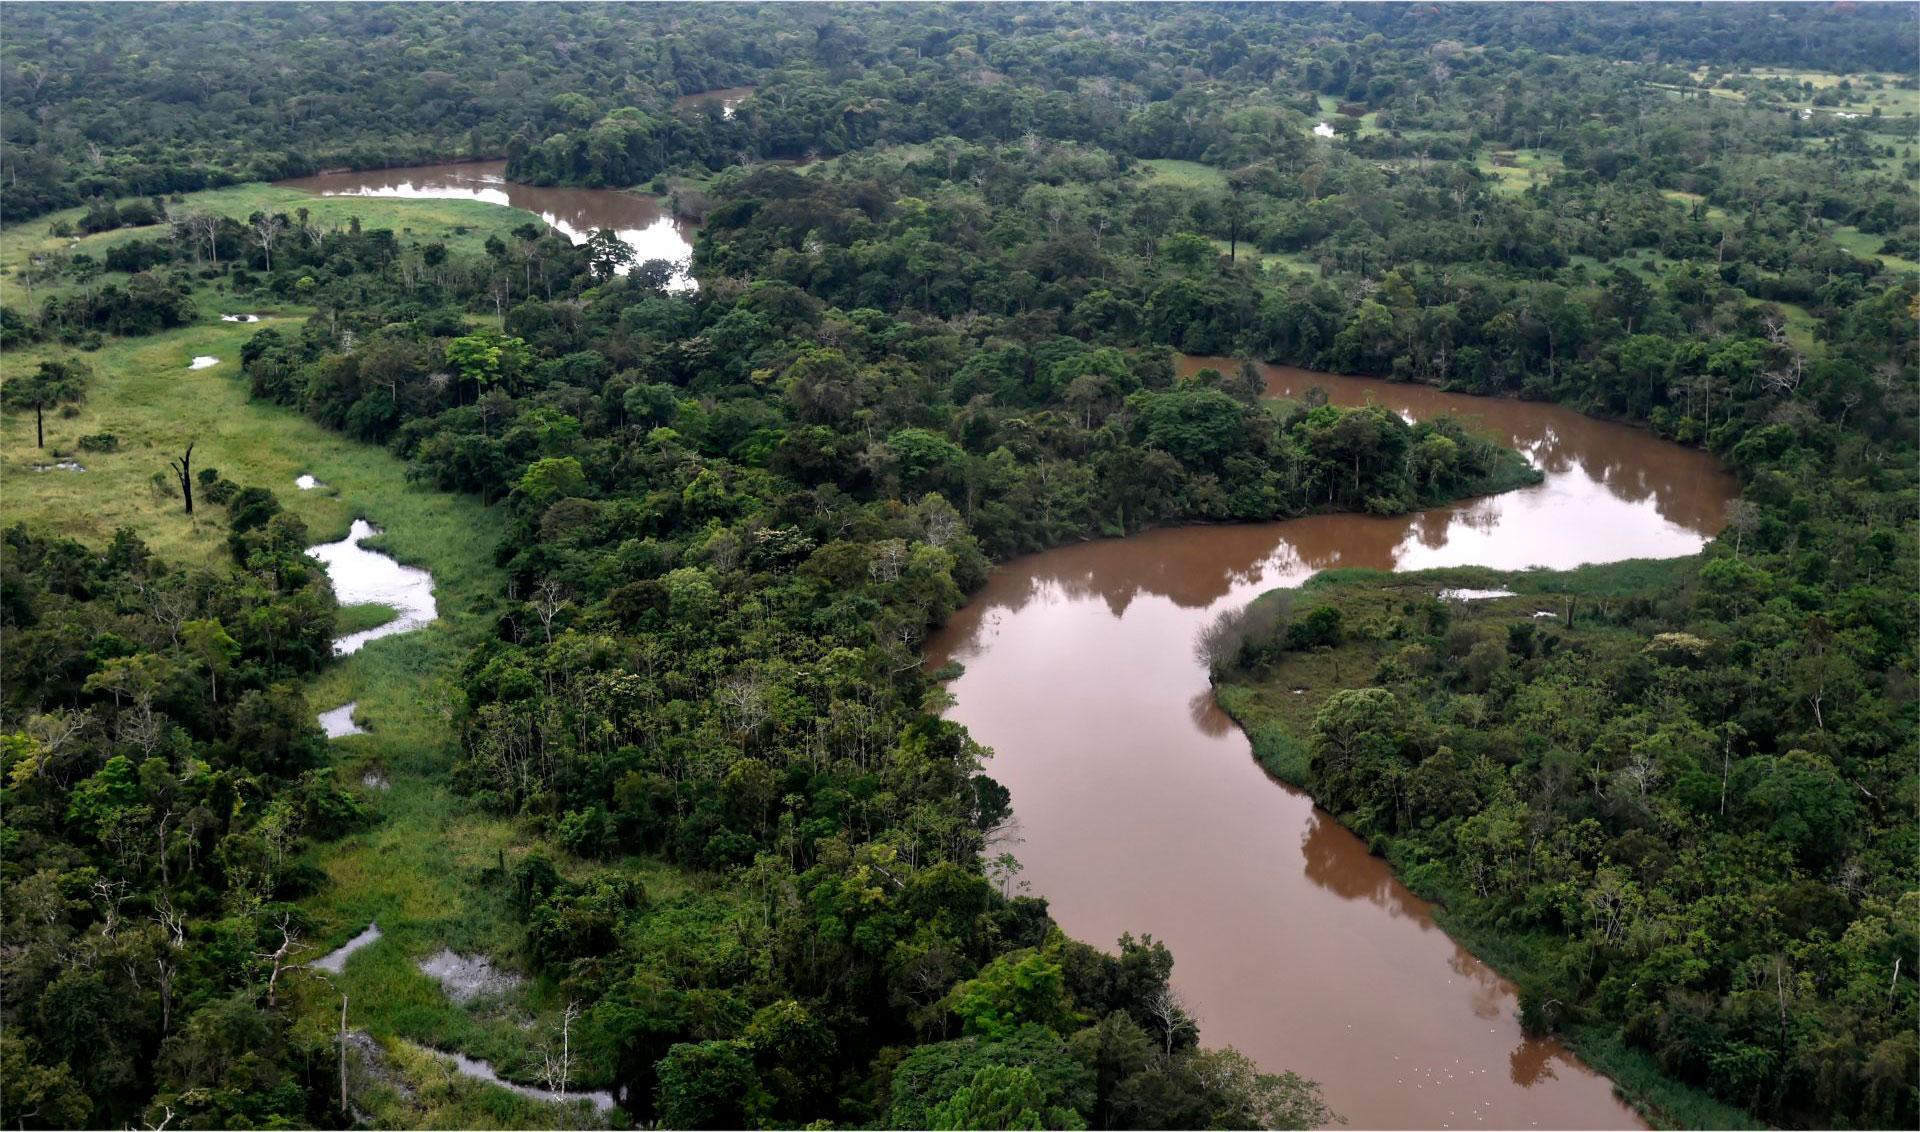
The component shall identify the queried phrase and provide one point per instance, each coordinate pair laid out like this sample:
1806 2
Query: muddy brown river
653 232
1140 807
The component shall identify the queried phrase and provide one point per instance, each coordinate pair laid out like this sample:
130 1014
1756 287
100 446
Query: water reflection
653 232
1558 441
727 97
1143 810
1206 715
1530 1063
1328 860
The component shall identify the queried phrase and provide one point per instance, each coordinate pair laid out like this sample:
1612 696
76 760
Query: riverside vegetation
671 749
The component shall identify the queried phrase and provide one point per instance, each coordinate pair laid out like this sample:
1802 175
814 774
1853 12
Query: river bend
1141 809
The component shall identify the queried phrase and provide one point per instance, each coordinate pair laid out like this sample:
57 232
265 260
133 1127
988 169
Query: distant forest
753 875
100 101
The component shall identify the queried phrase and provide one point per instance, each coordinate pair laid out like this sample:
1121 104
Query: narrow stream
473 1067
1141 808
335 961
368 577
362 576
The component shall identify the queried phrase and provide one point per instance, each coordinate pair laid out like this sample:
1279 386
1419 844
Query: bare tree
1004 868
343 1052
207 227
906 636
52 731
744 696
1643 773
889 558
282 957
556 1070
1170 1016
1742 518
111 894
267 227
1787 378
1848 400
547 603
183 470
165 967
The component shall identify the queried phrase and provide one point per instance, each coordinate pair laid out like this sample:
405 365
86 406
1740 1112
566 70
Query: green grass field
1184 174
1273 261
463 225
1518 170
1863 98
1866 245
1369 122
360 618
417 869
1757 84
1714 212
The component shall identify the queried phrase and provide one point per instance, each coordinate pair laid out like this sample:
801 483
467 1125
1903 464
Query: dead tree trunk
183 470
343 1053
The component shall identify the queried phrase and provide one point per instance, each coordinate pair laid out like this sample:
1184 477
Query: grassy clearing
1863 97
1713 213
1760 85
144 393
1273 261
1866 245
1801 326
1184 174
442 1098
421 868
1369 122
1518 170
1277 710
1644 260
463 225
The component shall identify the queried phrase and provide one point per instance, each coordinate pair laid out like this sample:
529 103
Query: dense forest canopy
948 257
171 98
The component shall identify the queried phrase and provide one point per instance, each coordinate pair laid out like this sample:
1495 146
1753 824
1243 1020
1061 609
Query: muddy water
1141 808
727 96
653 232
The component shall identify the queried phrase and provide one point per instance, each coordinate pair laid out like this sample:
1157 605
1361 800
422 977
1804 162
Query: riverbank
1079 668
1385 622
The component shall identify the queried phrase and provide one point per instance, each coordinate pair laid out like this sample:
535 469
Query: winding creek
1140 805
367 577
362 576
1141 808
